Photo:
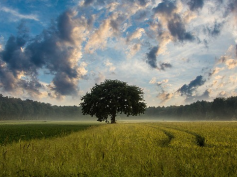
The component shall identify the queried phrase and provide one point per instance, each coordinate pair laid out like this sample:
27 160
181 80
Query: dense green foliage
219 109
166 149
14 132
112 97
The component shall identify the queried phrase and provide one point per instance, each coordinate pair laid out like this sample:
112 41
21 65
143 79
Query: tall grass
156 149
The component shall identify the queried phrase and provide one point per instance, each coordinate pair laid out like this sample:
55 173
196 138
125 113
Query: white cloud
136 35
133 49
231 63
19 15
99 37
153 80
163 82
110 65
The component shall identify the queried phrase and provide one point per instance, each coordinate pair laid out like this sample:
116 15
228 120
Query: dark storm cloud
90 21
140 15
12 54
195 4
204 96
215 30
152 61
65 26
192 86
231 7
88 2
116 23
142 2
166 8
177 29
163 66
63 84
151 57
175 24
32 87
8 82
51 50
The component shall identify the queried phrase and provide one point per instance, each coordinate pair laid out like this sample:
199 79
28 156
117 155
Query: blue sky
177 51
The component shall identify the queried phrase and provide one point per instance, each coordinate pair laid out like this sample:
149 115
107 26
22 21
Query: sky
177 51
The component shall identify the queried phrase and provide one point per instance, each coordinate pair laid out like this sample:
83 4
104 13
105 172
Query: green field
26 130
123 149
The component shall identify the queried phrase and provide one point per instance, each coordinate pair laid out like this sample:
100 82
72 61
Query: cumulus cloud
151 57
140 15
214 30
57 50
165 8
152 61
227 59
136 35
163 82
133 49
231 63
164 97
187 90
110 65
178 31
206 95
167 12
164 66
195 4
99 38
154 31
153 80
88 2
142 2
215 71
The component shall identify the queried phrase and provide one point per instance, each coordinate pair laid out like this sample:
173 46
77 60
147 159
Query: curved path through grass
132 149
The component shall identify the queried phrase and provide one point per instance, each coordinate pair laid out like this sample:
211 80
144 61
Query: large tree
112 97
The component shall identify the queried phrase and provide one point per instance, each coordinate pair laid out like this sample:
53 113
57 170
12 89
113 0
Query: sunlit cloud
179 51
110 65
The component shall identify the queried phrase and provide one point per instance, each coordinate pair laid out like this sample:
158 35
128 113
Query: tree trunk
113 119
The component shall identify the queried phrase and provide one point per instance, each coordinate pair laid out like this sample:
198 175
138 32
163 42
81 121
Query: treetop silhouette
112 97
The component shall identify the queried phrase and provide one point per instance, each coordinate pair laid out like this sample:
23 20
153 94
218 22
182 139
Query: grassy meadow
123 149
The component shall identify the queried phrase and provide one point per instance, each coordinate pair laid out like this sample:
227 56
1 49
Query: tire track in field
168 134
200 139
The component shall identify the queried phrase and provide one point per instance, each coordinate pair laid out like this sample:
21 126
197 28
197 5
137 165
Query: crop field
124 149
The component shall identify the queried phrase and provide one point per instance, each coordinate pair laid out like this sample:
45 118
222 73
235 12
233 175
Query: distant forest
17 109
219 109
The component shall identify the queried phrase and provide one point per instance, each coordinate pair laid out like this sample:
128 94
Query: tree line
17 109
218 109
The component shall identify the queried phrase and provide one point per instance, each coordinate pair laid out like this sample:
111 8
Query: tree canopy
112 97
